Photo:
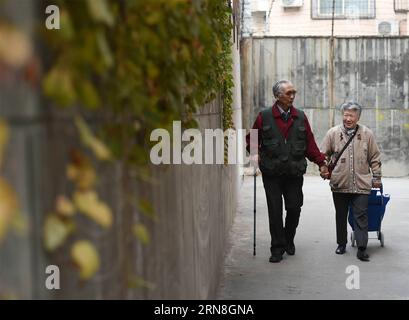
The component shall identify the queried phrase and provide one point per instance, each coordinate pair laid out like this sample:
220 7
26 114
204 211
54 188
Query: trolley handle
381 190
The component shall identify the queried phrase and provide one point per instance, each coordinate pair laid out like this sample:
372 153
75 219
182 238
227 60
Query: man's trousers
277 188
359 204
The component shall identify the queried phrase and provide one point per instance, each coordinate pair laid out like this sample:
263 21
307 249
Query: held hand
324 173
376 184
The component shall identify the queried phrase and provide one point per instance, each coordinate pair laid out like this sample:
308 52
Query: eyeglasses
290 93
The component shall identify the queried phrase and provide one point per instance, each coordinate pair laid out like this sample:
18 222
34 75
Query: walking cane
254 230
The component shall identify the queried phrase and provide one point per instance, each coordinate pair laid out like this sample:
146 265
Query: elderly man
285 139
357 170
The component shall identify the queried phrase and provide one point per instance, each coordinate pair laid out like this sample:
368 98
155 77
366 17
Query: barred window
401 5
343 9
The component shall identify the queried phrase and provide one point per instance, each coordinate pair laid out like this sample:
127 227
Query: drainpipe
407 23
268 18
331 71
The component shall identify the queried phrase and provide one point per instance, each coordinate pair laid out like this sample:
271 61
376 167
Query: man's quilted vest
279 156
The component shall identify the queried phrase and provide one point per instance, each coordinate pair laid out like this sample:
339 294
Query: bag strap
338 156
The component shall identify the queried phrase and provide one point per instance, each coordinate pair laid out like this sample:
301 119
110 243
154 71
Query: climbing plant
140 65
133 66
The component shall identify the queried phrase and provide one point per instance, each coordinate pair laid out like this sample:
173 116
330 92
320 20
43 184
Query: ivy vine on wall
142 64
135 66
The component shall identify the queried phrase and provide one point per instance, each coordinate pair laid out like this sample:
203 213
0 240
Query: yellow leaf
8 207
97 146
4 137
87 178
100 149
86 257
64 206
141 233
102 214
83 174
105 50
15 46
100 11
55 232
88 203
72 172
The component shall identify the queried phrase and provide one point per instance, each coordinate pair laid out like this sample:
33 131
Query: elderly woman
356 171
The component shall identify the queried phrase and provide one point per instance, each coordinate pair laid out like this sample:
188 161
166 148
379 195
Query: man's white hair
278 86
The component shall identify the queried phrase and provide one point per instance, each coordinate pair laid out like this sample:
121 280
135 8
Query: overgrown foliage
141 64
134 66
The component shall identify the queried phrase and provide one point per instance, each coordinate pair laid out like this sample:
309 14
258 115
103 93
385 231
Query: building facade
314 18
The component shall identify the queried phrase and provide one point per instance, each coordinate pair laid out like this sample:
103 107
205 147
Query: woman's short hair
351 105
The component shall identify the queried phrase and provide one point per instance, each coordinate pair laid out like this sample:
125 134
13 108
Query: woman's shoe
362 255
290 249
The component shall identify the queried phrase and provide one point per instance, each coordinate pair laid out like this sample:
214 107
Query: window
401 5
343 9
325 7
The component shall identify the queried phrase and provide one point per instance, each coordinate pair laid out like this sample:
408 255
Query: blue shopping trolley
376 209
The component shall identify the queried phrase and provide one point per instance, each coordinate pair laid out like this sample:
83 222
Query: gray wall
194 206
373 71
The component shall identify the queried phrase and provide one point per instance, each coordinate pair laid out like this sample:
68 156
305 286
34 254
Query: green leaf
154 17
146 207
4 137
66 29
58 84
20 224
88 94
141 233
137 282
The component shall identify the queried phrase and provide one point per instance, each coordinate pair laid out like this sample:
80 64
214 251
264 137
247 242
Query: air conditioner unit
291 3
260 5
387 28
258 22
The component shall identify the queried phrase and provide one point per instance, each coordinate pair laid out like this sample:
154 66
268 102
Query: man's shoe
276 258
340 249
290 249
362 255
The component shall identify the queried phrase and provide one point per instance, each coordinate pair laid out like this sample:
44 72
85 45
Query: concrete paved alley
315 271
